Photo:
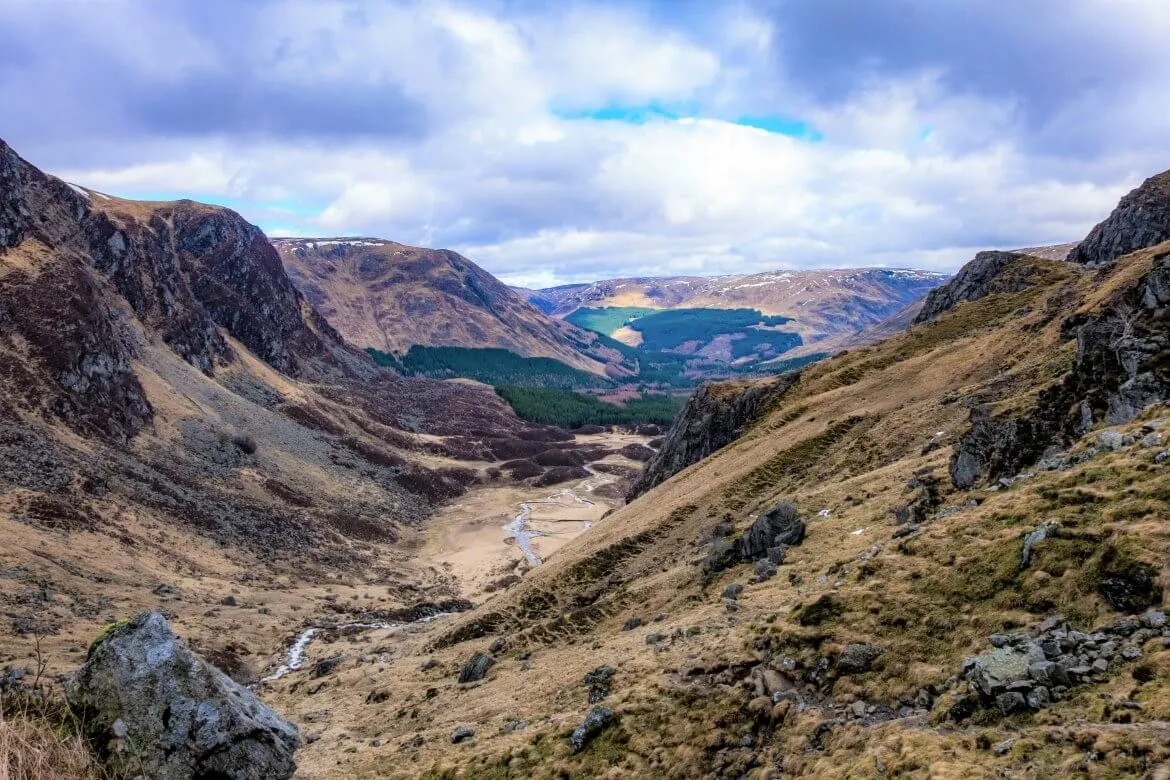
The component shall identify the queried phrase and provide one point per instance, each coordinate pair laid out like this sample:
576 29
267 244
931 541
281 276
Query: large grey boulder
992 673
476 667
155 709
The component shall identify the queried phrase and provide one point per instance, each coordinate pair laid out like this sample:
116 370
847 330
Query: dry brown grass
846 438
32 747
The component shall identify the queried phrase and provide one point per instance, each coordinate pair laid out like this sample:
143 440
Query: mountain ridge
389 296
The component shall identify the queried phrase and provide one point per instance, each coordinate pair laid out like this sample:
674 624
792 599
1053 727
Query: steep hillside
940 555
180 430
391 297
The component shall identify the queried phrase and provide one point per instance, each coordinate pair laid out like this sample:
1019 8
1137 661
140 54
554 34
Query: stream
524 535
297 654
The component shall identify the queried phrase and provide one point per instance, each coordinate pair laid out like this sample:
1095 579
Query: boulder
858 658
992 673
599 682
598 719
156 709
476 667
764 570
461 734
779 525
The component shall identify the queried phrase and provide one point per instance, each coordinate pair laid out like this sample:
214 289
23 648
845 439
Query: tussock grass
39 741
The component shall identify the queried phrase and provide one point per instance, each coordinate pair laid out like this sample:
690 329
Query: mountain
391 297
826 308
943 553
181 430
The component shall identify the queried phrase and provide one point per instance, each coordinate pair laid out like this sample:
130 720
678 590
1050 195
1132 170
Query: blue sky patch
781 125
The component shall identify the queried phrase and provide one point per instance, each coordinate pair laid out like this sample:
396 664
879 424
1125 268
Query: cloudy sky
568 141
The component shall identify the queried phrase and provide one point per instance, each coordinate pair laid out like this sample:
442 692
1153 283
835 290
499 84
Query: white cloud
911 170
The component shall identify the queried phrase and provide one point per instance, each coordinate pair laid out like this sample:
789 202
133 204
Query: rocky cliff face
979 278
1141 220
1120 368
714 416
191 274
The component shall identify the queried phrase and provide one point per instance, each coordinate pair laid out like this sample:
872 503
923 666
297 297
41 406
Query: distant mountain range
424 310
827 308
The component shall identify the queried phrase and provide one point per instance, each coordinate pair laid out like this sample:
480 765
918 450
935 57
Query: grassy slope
846 439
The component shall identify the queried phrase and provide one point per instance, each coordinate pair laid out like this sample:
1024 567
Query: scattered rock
858 658
326 666
180 717
764 570
499 646
1110 440
779 525
653 639
1154 618
476 668
514 725
1003 748
461 734
598 719
228 601
1010 702
633 623
733 591
1033 538
165 591
599 682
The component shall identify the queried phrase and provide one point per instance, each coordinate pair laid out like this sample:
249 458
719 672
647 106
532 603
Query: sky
556 142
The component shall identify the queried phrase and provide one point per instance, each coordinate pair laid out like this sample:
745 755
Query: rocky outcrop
78 267
15 216
1030 670
154 709
1141 220
714 416
979 278
1120 369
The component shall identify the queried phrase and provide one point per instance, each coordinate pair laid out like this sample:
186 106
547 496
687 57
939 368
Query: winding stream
524 535
297 654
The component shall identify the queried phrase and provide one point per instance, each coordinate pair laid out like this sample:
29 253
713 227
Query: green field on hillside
607 319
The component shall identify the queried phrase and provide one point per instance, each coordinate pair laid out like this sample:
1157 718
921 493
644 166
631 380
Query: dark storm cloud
214 104
69 81
1044 57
